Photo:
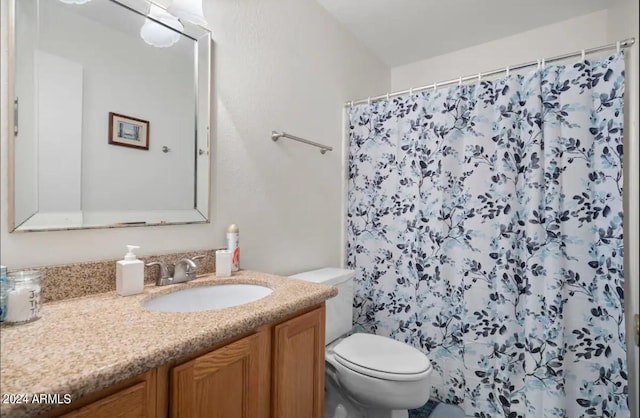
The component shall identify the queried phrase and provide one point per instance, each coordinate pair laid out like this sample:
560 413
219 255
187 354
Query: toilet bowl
379 374
367 376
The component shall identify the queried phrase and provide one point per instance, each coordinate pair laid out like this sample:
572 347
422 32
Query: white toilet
366 375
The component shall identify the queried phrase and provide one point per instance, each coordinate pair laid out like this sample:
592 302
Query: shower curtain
485 227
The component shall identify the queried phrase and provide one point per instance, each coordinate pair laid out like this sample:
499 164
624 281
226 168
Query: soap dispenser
129 274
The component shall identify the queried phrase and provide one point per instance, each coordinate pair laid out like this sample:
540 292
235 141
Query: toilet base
338 406
341 411
387 414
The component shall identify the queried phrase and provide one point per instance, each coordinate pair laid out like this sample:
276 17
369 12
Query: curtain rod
617 45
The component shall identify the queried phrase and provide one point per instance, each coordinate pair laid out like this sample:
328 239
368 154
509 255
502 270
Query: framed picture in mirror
128 131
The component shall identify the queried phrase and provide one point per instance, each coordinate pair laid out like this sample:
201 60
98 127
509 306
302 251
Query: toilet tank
339 315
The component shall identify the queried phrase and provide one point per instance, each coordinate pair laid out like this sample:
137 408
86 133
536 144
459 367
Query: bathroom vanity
114 358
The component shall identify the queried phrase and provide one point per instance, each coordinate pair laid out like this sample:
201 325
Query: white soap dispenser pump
129 274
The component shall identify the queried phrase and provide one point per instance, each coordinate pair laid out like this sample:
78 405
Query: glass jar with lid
23 296
3 293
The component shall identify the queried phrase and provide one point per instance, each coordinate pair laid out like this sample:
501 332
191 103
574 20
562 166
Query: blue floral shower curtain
485 226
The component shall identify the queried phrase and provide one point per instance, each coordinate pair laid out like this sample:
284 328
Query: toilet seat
382 358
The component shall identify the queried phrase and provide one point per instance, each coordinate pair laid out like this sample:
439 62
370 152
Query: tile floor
437 410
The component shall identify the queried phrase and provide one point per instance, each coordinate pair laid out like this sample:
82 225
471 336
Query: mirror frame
195 32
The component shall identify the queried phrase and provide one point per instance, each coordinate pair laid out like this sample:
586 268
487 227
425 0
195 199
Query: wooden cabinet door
298 367
230 382
133 398
137 401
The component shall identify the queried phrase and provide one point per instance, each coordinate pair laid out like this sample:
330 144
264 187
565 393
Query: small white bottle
233 245
223 263
129 274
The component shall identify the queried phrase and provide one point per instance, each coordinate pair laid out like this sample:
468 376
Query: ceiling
404 31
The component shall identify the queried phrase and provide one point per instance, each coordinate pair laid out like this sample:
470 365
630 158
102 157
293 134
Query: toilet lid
382 357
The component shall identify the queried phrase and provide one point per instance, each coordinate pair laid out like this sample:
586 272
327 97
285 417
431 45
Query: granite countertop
83 345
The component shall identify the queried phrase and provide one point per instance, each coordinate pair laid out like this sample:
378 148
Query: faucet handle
184 270
164 270
197 259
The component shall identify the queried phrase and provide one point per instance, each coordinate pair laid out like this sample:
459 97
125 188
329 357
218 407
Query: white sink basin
207 298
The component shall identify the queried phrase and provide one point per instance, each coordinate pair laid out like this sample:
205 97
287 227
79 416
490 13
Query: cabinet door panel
298 366
230 382
128 403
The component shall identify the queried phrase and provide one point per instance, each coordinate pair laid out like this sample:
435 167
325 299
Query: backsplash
83 279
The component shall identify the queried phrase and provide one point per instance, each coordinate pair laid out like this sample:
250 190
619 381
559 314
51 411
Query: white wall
59 143
277 64
570 35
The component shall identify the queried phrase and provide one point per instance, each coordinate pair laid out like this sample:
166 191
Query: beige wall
277 65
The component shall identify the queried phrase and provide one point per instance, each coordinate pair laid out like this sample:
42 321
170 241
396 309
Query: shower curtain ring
618 46
583 52
479 77
507 71
542 63
460 80
410 91
435 86
369 100
387 96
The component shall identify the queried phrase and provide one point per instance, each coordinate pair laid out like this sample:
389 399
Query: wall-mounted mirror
110 123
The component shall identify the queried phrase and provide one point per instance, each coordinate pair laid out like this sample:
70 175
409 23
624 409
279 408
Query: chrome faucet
183 271
165 278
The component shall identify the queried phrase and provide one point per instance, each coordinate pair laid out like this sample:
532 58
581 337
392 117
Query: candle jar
23 296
